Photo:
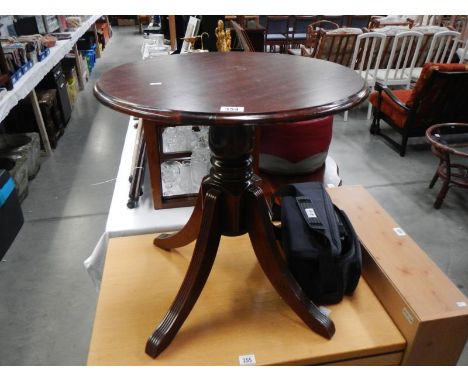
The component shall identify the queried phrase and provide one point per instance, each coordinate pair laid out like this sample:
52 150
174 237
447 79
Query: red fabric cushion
396 113
298 140
427 72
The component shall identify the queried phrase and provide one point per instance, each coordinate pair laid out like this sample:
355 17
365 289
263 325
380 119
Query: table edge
177 117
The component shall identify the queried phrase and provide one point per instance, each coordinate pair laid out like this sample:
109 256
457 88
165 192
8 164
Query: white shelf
30 80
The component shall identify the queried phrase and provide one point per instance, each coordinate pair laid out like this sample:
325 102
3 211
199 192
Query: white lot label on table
399 231
232 109
247 359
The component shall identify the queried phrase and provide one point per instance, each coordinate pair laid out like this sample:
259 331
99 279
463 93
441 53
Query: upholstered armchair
440 95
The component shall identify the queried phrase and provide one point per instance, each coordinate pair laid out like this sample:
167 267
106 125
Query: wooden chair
458 23
276 33
429 31
242 37
313 36
441 50
382 21
439 96
427 20
402 59
366 59
298 34
337 45
449 150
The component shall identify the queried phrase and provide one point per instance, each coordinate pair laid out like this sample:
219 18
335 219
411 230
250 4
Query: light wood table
238 313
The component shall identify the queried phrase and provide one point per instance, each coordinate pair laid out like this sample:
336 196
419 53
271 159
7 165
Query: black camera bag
320 244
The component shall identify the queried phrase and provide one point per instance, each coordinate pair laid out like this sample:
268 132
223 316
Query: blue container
43 54
16 76
90 56
26 67
11 216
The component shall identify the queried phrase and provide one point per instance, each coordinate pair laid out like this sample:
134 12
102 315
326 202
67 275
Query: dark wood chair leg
375 126
188 233
195 278
442 194
434 178
404 143
273 263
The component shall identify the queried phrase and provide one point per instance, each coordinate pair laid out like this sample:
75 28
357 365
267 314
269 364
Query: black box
55 79
21 118
11 216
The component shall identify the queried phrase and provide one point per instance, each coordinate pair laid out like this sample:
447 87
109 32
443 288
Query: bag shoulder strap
317 210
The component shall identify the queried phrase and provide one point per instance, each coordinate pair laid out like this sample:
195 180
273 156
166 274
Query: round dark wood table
232 93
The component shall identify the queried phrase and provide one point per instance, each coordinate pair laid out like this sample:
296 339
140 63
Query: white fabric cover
392 30
429 29
345 30
123 221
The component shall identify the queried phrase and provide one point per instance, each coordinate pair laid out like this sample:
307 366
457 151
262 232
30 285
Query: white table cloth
123 221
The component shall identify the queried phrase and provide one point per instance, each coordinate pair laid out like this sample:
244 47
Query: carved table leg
231 203
194 281
189 231
273 263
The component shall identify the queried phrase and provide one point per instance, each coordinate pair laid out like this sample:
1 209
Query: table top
238 313
271 88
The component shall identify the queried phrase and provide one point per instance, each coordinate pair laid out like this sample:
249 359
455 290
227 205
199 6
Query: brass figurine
223 37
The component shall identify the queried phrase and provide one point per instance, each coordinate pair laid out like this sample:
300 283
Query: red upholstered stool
295 153
295 148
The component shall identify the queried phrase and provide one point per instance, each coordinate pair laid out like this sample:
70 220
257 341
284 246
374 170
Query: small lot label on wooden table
232 109
399 231
247 359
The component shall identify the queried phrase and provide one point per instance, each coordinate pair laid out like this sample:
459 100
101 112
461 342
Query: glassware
169 138
170 176
185 183
200 158
177 139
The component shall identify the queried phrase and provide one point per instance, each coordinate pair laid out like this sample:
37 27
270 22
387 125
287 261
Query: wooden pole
172 32
79 67
40 122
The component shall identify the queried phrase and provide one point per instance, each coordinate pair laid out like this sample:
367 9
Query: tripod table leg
188 232
195 278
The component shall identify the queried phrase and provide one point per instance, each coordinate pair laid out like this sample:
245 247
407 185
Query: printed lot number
248 359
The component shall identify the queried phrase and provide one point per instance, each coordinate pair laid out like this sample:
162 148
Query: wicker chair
451 153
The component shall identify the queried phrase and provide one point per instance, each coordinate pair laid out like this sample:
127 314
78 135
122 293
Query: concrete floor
47 301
